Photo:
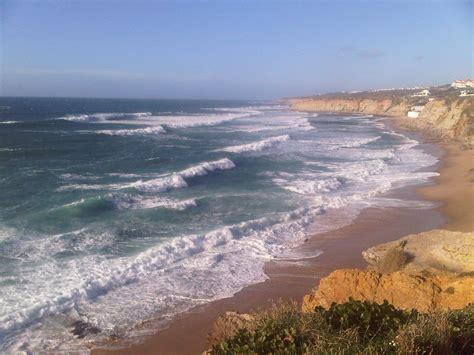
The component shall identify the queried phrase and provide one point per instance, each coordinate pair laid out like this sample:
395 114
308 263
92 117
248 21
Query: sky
225 49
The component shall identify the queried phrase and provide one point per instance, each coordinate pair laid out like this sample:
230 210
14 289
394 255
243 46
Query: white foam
206 167
163 184
74 203
72 187
69 176
130 201
305 187
295 255
357 171
125 175
206 266
100 117
9 122
176 180
186 121
256 146
132 132
361 142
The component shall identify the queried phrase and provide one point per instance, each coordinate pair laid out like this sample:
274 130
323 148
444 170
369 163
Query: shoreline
456 170
342 247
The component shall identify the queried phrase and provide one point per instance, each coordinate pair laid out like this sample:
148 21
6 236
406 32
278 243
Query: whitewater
120 213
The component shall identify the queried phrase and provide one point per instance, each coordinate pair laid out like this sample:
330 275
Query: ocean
115 212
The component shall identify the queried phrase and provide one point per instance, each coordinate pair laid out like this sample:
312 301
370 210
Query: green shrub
371 319
462 330
354 327
282 330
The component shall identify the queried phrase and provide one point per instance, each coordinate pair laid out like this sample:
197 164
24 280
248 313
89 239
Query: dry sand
289 281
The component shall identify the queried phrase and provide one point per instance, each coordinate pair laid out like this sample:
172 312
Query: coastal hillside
444 110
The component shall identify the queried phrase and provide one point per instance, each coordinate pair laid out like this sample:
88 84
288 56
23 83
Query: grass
353 328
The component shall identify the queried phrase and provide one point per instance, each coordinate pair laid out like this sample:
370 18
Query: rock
350 105
452 117
226 326
428 271
433 252
394 259
404 291
82 329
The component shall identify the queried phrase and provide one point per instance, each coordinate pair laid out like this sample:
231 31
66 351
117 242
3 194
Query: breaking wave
187 121
100 117
132 132
256 146
361 142
161 184
124 201
256 241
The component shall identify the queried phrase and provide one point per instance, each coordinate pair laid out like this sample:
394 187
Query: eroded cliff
451 117
436 272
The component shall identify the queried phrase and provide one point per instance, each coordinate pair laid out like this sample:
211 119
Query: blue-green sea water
114 212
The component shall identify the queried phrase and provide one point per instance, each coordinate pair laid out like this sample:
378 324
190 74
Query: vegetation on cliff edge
354 327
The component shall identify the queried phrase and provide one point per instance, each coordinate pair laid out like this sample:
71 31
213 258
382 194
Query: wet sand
291 280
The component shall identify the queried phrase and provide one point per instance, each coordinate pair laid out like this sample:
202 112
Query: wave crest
100 117
132 132
256 146
163 183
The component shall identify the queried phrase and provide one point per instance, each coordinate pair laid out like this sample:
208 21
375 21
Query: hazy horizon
230 49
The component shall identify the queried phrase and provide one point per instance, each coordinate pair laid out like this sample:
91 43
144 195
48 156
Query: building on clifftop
422 93
463 84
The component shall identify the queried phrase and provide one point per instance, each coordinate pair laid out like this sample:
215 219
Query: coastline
342 247
457 172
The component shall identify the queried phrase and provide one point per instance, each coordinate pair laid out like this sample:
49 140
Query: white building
415 111
422 93
417 108
466 93
463 84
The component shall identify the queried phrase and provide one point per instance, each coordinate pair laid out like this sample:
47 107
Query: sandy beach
452 195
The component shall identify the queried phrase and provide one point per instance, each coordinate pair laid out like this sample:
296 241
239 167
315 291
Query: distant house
415 111
466 93
463 84
422 93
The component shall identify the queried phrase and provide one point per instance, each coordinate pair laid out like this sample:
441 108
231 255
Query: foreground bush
354 327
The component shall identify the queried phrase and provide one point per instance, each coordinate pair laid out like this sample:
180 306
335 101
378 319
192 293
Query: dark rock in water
81 329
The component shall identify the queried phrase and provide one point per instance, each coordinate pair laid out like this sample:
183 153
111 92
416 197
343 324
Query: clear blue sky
229 49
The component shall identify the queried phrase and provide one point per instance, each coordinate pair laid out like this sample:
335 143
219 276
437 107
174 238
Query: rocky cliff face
434 252
404 291
456 118
367 106
453 118
438 274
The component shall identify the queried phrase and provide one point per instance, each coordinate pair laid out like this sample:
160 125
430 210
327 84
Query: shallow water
117 211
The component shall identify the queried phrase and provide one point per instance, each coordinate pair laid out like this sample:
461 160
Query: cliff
432 272
429 271
451 117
